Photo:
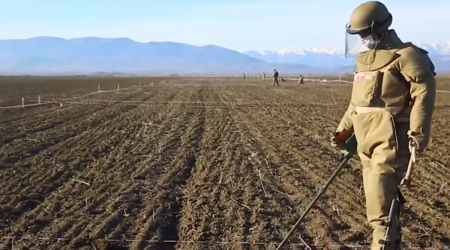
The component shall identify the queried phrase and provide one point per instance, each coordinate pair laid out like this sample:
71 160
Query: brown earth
193 163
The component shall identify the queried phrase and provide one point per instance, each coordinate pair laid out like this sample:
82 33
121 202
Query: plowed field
193 163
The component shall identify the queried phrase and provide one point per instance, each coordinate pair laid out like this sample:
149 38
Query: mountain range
90 55
93 55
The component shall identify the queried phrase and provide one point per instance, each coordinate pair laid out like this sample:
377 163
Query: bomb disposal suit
391 105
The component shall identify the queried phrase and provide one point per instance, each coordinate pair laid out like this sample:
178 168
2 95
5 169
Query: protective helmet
371 15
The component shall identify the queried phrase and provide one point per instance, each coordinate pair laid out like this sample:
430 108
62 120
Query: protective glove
417 140
338 140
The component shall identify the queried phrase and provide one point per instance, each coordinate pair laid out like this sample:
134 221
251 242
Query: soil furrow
57 134
185 161
55 179
261 132
68 139
123 203
202 212
50 121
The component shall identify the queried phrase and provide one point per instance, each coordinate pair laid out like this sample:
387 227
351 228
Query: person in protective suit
300 79
275 78
391 108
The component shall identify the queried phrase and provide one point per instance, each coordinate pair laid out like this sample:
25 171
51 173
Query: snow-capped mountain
335 57
314 56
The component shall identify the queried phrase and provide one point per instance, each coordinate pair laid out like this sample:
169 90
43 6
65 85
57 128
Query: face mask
369 42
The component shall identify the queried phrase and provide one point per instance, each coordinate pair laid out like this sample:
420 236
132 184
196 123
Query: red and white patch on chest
359 77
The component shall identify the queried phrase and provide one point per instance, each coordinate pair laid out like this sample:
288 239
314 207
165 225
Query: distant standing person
244 76
264 76
275 78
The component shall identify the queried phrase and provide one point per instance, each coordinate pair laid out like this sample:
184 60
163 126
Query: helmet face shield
355 44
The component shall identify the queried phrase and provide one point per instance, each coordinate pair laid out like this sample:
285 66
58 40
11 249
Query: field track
193 163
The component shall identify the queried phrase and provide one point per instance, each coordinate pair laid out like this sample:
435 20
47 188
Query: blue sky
240 25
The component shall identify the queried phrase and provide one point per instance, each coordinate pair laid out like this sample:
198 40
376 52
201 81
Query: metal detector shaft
350 149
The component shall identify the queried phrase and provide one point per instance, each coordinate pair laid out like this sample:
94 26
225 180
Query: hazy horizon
238 25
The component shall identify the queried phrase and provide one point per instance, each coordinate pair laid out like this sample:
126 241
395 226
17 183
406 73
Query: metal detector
347 153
